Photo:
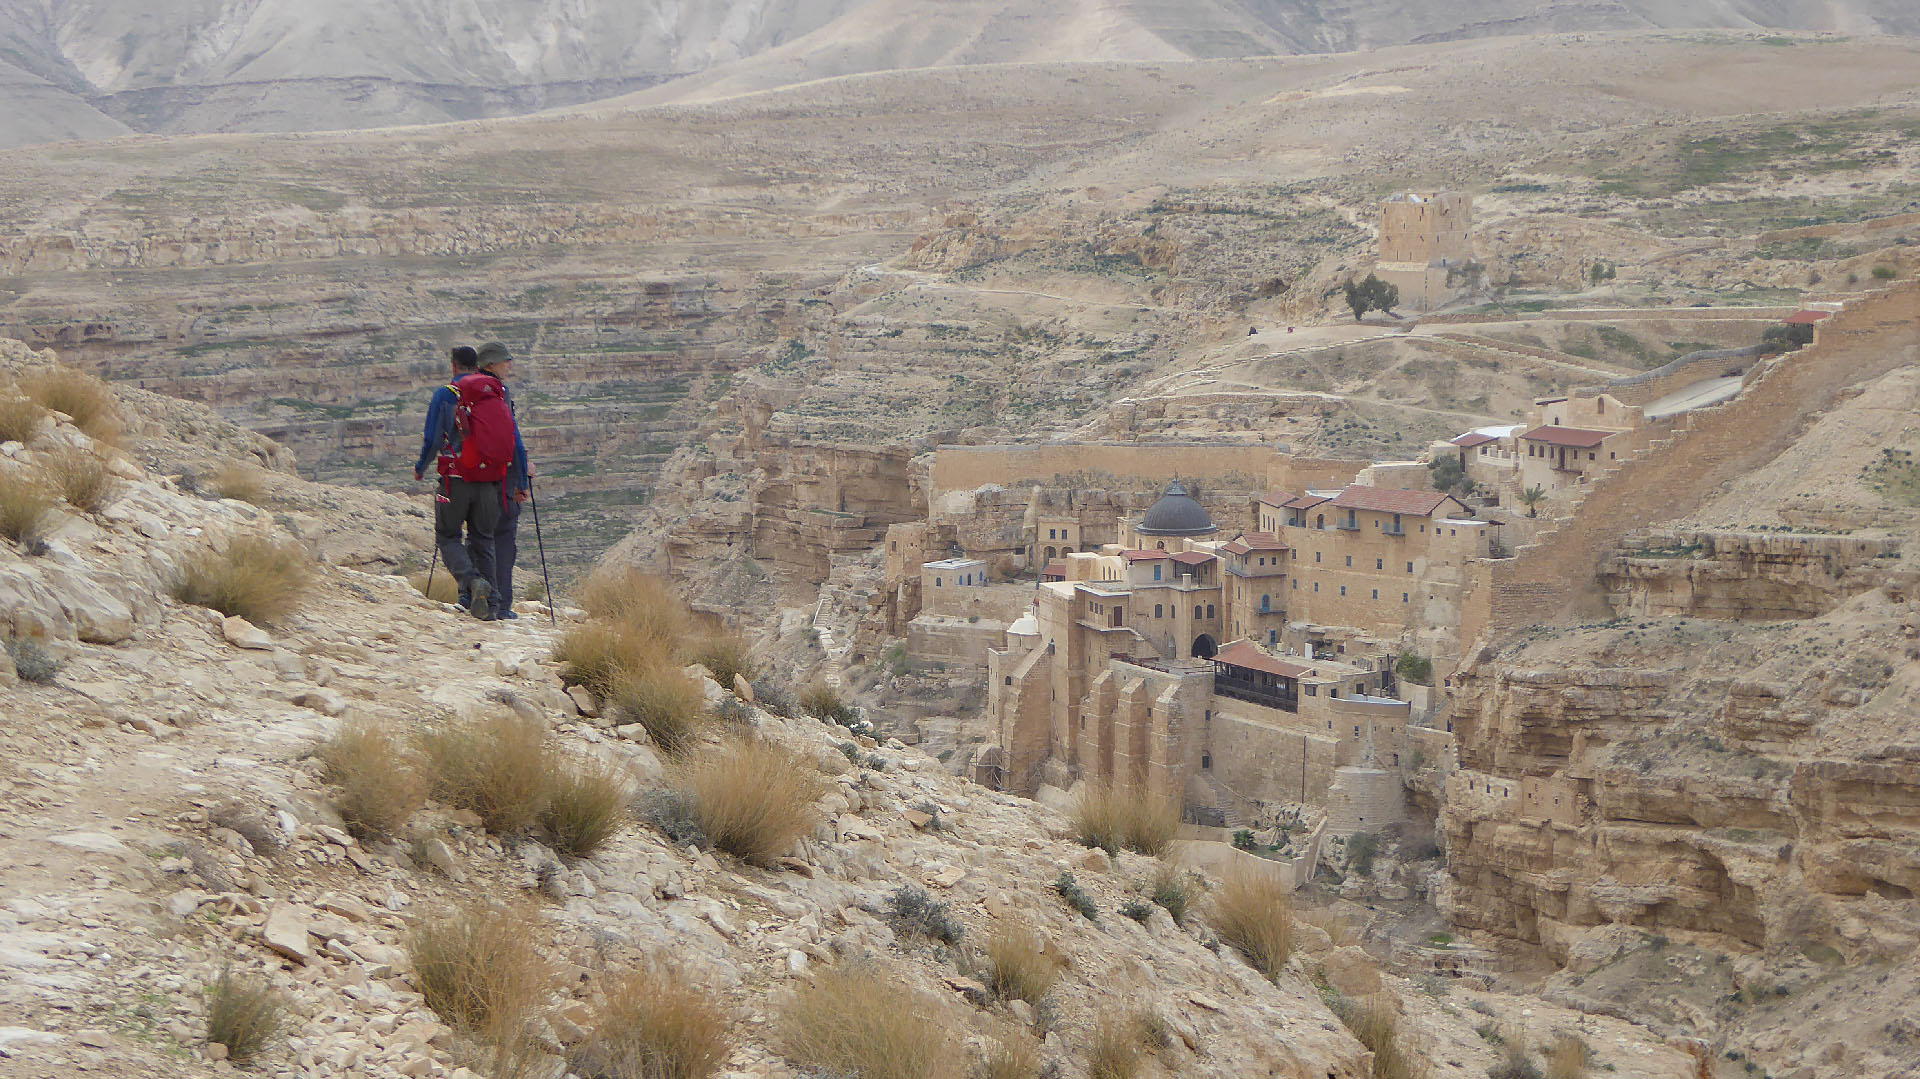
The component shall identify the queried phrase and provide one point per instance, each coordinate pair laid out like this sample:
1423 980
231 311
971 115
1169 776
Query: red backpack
479 443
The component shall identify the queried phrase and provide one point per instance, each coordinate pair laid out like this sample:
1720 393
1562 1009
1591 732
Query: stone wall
1066 464
1559 575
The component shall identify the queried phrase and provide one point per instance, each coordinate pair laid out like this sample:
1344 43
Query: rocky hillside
167 820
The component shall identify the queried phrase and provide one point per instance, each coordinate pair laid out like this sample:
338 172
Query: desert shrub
1516 1062
20 419
1253 914
773 696
824 703
1415 669
664 701
444 588
1362 849
1114 1050
725 654
1069 889
85 399
587 801
1016 967
33 661
81 478
639 601
1137 909
910 910
1376 1025
598 655
1114 817
653 1023
499 764
1173 890
855 1022
240 482
534 591
749 797
1568 1057
379 782
478 969
24 505
250 822
1885 273
1012 1057
243 1014
260 580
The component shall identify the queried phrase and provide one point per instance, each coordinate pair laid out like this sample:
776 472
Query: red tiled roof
1473 438
1576 437
1143 556
1276 497
1193 558
1388 500
1237 547
1054 569
1262 541
1806 318
1305 502
1244 654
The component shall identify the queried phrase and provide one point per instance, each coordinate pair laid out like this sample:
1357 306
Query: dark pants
506 551
476 508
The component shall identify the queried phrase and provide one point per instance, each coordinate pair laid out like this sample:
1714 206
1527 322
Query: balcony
1252 692
1393 530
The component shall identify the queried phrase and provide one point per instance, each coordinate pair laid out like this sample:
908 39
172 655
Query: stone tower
1423 246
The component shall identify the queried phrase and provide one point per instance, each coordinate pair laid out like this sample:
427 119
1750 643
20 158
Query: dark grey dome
1177 514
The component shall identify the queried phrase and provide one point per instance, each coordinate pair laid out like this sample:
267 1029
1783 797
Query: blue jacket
440 421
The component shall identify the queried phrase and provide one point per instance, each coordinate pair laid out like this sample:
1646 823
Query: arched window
1050 554
1266 603
1156 611
1196 611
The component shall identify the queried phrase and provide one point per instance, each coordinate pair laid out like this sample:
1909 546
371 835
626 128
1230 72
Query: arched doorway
1050 554
1203 646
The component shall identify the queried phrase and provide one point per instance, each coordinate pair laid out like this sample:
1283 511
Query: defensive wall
1650 386
1559 576
1131 465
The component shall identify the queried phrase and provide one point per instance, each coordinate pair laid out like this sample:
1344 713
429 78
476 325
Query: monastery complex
1258 632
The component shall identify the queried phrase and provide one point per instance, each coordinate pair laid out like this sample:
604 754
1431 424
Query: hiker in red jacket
471 427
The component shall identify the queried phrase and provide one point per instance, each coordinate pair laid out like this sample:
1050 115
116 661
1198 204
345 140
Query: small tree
1531 498
1371 294
1447 471
1787 337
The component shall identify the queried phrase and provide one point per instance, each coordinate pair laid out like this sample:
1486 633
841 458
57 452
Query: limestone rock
1352 971
285 931
244 634
583 701
742 688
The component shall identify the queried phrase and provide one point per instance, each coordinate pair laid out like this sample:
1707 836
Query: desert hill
274 65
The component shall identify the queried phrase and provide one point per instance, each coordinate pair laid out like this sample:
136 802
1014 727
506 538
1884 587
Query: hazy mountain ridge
87 66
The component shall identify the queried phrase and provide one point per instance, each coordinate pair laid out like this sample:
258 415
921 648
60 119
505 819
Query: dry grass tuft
445 588
243 1014
1017 968
20 419
667 703
1253 914
1114 1051
500 765
853 1021
598 655
725 654
1568 1057
240 482
24 505
639 601
87 400
751 798
653 1023
478 969
380 784
81 478
1012 1057
1377 1026
824 703
587 801
1115 817
260 580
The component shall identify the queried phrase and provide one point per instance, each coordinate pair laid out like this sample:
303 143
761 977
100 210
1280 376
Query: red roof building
1246 655
1807 318
1472 439
1571 437
1388 500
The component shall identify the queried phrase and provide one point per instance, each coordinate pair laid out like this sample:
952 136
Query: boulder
285 931
244 634
583 701
1352 971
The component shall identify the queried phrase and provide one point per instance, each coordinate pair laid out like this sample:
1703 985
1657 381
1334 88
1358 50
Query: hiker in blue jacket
459 505
495 360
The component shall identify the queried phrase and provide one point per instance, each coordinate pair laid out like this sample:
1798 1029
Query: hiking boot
480 604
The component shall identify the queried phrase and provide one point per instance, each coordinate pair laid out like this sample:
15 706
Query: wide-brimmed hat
493 352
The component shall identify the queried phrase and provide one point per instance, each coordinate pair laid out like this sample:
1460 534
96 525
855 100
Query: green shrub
825 704
773 696
911 911
33 661
1172 890
1069 890
1362 849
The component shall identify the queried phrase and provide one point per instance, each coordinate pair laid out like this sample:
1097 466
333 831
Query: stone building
1424 250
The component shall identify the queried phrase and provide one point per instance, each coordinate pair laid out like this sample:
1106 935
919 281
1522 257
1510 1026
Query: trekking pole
542 544
431 563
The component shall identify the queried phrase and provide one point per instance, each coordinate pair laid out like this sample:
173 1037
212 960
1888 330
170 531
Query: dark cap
493 352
